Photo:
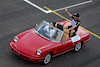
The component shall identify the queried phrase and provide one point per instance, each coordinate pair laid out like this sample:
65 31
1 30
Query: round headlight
38 52
16 39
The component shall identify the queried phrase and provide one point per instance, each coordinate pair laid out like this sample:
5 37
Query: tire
47 59
78 47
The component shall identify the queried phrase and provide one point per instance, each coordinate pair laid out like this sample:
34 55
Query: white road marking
29 2
74 5
48 11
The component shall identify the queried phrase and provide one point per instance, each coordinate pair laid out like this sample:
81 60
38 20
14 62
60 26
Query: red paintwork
29 42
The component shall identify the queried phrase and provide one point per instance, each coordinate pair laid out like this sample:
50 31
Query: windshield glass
49 32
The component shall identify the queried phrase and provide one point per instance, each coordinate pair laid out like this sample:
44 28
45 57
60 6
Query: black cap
76 14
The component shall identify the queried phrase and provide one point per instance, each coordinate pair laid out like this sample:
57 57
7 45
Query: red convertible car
45 41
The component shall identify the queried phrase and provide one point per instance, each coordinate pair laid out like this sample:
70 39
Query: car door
63 43
63 46
68 44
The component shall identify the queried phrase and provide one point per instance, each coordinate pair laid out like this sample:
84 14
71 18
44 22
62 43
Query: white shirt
50 31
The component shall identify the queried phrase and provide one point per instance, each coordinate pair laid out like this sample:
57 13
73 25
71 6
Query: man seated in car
72 29
75 23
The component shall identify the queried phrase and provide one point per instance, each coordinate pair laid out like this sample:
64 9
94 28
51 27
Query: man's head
76 16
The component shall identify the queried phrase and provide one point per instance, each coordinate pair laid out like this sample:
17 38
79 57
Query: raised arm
68 12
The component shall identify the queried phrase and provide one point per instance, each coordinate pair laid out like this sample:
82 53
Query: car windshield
49 32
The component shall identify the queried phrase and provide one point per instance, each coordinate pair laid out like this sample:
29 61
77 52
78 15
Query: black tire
47 59
78 47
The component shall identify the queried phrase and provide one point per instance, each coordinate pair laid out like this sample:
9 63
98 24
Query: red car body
29 42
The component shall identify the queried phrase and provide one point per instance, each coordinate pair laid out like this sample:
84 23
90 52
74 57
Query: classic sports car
45 41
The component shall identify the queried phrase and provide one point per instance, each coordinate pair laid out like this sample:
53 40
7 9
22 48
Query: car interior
65 35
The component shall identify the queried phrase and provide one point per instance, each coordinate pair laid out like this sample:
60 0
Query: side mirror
36 25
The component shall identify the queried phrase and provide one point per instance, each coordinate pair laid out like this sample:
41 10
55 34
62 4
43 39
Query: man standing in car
75 23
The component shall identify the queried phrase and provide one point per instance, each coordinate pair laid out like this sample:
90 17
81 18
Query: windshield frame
51 39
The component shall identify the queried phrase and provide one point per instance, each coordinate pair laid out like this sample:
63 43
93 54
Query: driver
75 23
49 30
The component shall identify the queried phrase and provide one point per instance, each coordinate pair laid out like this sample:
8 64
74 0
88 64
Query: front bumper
25 56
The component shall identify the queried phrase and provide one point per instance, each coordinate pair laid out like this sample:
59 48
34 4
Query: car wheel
47 59
78 47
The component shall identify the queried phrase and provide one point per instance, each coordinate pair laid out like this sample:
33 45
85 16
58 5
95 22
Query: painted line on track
36 6
75 5
48 11
71 21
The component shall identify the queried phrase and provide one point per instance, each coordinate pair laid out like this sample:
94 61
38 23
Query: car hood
31 42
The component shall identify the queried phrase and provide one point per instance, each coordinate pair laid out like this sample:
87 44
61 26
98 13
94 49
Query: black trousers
60 27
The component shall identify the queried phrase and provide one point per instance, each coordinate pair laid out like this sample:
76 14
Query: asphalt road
17 16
